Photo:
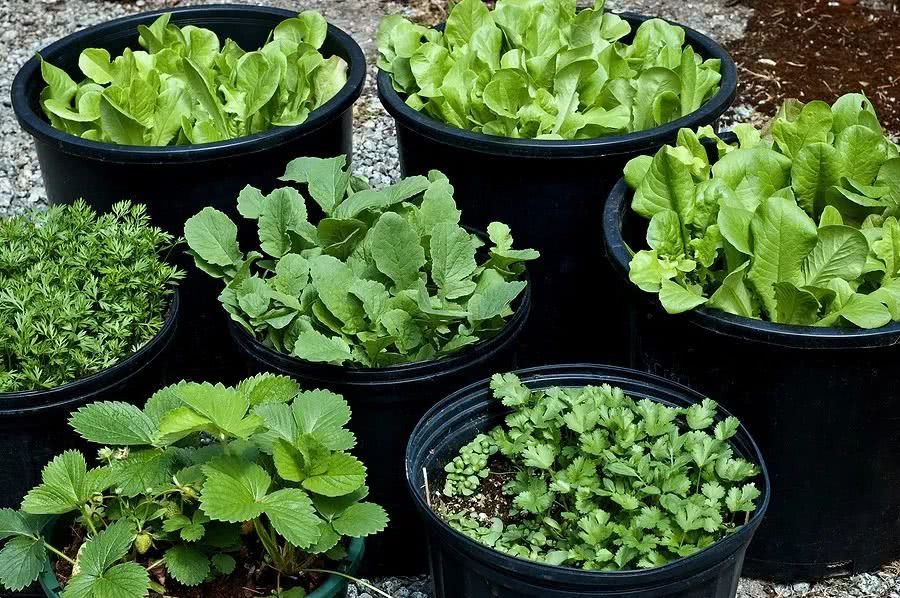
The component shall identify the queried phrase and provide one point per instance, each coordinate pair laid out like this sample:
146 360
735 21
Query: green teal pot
334 586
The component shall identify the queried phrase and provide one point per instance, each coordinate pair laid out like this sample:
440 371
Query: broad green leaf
113 423
677 299
234 490
733 296
21 561
840 252
794 306
282 212
66 486
187 564
315 346
453 260
257 79
121 127
292 514
327 179
361 519
816 169
396 250
782 236
812 126
324 414
668 185
342 475
213 237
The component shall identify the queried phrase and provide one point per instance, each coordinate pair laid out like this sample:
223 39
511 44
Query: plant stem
268 543
156 564
87 520
364 584
59 553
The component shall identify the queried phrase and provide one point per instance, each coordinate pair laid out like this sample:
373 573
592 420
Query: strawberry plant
795 224
590 478
388 275
188 489
79 292
543 69
185 86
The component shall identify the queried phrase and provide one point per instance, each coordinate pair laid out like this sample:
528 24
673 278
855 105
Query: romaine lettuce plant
797 225
79 292
542 69
593 479
388 276
205 482
187 87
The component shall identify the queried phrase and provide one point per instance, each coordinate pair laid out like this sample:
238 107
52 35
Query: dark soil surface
250 578
488 503
820 49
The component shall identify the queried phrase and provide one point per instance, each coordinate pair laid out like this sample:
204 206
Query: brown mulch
819 49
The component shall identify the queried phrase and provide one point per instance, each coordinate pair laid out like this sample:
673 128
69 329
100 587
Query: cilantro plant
542 69
191 485
79 292
388 276
187 87
594 479
795 225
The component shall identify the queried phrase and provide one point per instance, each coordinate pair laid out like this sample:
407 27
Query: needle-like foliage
79 292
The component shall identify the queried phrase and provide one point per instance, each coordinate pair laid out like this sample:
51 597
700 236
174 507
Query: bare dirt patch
816 49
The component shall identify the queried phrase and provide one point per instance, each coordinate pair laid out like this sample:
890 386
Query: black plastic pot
177 182
461 566
34 424
386 404
551 194
821 402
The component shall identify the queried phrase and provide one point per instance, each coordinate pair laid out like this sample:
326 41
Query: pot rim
638 141
556 375
37 126
404 373
720 322
29 402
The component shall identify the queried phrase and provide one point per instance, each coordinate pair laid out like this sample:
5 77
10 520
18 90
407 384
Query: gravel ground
28 25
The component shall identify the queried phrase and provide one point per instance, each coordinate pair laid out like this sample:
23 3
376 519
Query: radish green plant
185 86
79 292
797 224
388 275
594 479
188 487
543 69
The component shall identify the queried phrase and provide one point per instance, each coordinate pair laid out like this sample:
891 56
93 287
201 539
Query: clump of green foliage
187 87
543 69
388 276
597 480
79 292
797 224
186 482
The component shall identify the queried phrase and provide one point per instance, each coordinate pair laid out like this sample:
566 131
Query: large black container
34 424
460 566
551 194
386 404
177 182
821 402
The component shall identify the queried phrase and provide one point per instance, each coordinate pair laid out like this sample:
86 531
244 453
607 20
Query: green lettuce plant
596 480
387 276
796 224
187 87
188 489
79 292
543 69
